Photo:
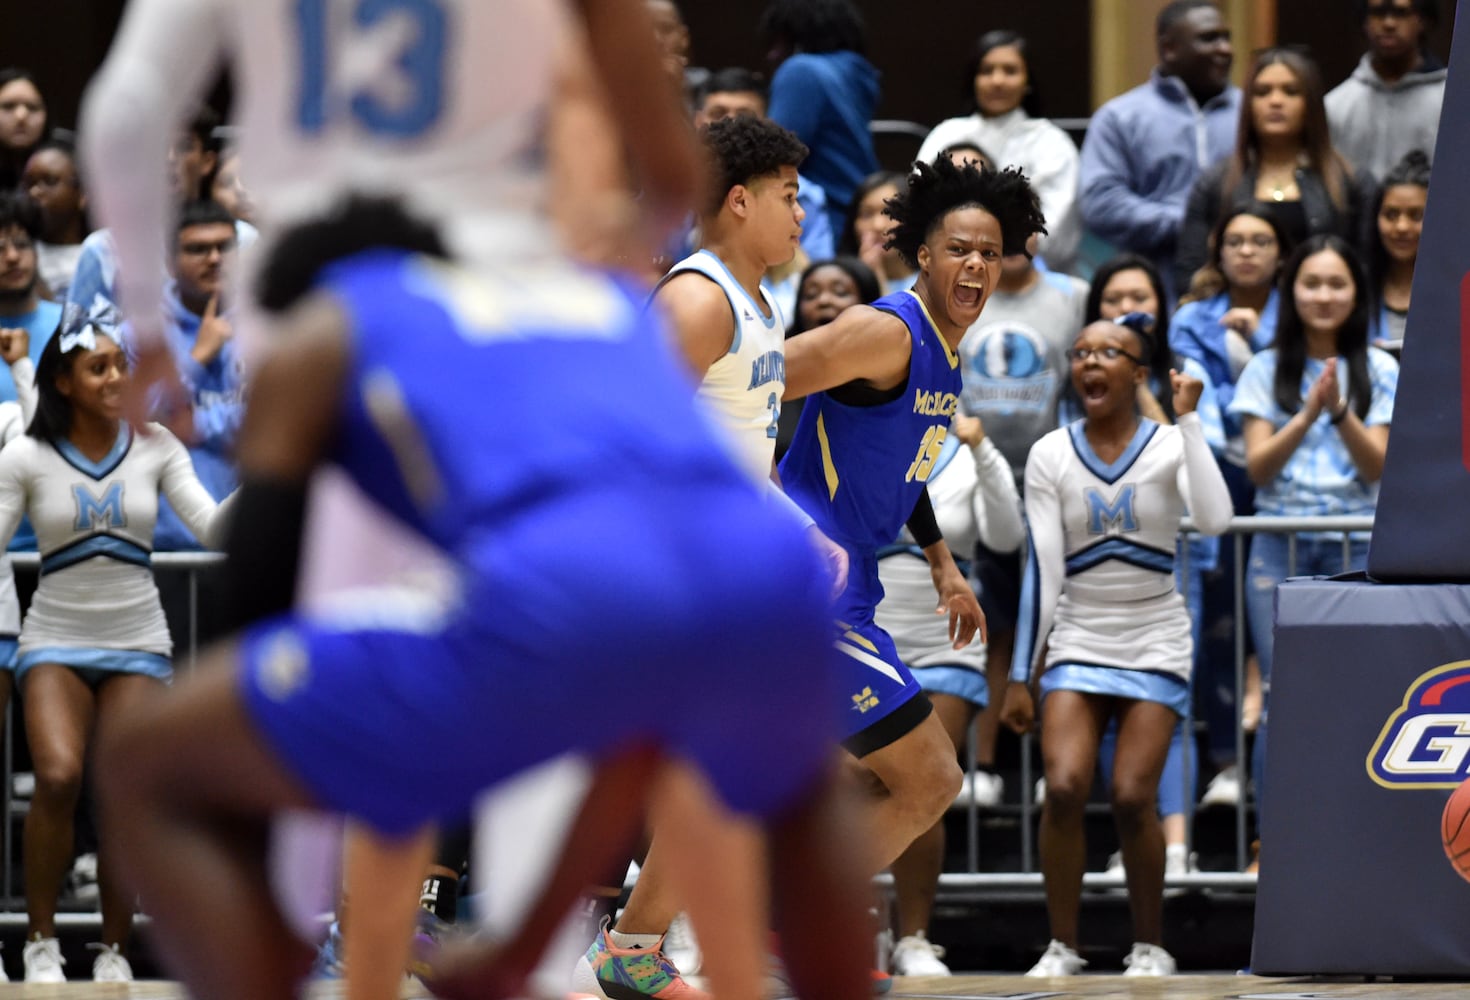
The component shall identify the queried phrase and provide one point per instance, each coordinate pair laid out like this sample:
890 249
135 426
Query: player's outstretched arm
861 343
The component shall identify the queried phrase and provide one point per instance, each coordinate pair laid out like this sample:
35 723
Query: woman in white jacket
1003 126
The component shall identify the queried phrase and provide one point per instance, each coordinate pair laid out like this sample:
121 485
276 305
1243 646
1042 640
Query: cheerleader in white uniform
1103 500
94 639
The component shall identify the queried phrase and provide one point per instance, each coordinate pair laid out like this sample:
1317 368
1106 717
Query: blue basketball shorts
586 625
880 699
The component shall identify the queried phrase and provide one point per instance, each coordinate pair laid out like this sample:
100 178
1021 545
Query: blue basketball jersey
859 470
470 398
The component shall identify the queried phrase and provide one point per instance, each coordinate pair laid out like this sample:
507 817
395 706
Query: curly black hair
356 223
936 189
744 147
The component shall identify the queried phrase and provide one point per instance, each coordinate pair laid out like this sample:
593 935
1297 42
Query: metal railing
12 906
972 883
969 884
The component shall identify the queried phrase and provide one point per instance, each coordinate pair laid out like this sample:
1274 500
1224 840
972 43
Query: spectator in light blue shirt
1231 309
193 161
1315 411
21 307
199 331
1144 149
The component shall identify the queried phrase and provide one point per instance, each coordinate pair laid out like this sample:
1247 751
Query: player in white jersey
95 639
443 102
732 334
1104 496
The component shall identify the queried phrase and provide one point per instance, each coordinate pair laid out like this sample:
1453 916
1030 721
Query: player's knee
59 780
1134 803
935 787
1066 794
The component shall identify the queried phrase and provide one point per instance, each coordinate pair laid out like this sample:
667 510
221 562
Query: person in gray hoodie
1390 104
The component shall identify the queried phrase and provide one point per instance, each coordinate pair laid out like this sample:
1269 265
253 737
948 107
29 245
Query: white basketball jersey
743 388
441 101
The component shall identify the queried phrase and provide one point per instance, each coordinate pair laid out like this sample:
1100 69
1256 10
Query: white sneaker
1115 865
681 946
983 787
1179 860
110 965
1059 960
1149 960
83 879
43 961
916 955
1223 789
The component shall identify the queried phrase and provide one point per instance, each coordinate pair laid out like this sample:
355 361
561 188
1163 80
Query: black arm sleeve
922 523
263 546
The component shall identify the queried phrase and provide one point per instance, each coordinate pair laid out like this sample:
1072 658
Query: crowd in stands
1259 241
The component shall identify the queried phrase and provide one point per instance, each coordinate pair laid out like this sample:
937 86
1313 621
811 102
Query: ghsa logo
1426 742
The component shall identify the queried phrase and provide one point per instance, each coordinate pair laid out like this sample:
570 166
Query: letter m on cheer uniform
1106 517
99 513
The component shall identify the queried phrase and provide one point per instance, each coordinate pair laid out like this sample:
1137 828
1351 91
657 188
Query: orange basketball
1454 826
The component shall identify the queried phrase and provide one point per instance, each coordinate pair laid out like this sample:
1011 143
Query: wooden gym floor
1012 987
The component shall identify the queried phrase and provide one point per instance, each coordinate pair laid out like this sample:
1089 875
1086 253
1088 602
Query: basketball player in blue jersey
882 383
732 334
591 411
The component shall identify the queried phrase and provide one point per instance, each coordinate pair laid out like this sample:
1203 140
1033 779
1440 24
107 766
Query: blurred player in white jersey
446 103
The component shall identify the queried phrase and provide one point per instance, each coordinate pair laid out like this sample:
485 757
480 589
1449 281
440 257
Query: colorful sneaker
1149 960
916 955
1059 960
43 961
615 973
110 966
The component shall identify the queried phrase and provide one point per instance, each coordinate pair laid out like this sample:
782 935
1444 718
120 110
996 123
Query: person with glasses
1229 313
1226 318
1390 103
21 305
1103 498
1284 163
101 269
199 326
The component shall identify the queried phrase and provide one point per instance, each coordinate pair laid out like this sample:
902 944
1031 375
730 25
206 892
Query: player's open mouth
969 293
1094 387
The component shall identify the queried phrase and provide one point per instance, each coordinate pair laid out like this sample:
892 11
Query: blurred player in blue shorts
510 419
